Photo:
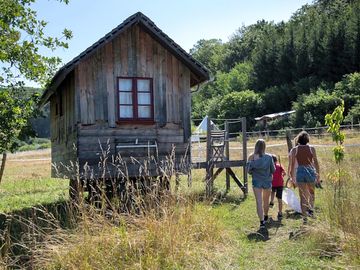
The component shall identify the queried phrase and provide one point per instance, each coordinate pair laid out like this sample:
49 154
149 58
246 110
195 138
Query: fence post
227 153
243 127
209 165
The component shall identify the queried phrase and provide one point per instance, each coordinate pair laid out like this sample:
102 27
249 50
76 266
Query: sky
185 21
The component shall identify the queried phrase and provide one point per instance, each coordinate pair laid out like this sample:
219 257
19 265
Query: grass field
195 234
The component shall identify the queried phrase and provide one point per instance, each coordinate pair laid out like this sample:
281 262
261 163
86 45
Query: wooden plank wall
133 53
63 127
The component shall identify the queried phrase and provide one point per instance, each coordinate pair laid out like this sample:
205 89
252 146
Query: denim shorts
305 174
261 184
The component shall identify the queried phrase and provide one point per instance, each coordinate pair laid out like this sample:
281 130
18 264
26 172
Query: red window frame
135 103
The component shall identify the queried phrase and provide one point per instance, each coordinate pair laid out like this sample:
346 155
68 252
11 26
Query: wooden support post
3 162
237 180
216 174
243 127
227 153
288 140
209 161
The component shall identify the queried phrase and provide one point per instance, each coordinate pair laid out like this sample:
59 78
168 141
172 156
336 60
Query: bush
238 104
34 144
311 109
354 114
349 89
277 98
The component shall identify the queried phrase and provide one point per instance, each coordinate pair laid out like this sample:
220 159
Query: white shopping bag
289 197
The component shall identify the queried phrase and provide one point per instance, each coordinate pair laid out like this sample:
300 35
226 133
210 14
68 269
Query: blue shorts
305 174
261 184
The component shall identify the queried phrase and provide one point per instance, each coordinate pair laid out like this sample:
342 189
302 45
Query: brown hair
303 138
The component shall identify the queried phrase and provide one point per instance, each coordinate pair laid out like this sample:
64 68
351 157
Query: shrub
311 109
239 104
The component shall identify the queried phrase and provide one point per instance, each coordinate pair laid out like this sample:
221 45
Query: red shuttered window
135 96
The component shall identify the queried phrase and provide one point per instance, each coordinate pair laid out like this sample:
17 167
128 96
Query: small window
135 99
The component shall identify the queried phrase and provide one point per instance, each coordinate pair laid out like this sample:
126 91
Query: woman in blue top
261 167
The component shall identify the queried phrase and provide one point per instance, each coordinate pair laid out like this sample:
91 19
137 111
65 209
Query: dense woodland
307 64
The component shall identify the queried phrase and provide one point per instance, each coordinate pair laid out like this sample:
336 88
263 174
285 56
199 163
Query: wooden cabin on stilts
127 96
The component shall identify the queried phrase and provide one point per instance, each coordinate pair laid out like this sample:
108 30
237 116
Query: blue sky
185 21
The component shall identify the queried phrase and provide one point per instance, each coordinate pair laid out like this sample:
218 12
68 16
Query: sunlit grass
27 183
196 233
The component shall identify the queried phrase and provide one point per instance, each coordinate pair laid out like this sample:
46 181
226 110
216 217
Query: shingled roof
197 69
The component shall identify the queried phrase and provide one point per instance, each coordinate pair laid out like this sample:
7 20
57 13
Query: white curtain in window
143 85
126 111
144 112
144 98
125 85
125 98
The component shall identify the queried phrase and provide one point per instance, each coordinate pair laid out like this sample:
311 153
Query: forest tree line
307 64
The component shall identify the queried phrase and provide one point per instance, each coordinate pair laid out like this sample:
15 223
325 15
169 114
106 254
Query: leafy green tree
237 79
353 115
15 112
311 109
333 121
209 53
276 98
243 44
349 89
238 104
21 36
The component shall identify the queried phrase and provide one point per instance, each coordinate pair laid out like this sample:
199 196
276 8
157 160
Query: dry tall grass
176 235
159 230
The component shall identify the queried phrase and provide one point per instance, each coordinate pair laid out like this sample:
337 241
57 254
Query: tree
287 65
209 53
21 36
303 60
349 89
15 112
311 109
237 79
238 104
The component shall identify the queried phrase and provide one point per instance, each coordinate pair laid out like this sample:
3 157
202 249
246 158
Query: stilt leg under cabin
218 157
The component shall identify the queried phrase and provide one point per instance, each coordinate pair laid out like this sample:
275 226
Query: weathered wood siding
134 53
63 126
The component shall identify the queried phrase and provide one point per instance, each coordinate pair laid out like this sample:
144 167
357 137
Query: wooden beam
227 152
209 165
219 164
243 127
236 179
110 87
216 174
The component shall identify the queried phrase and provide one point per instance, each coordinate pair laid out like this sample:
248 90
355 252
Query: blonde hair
260 147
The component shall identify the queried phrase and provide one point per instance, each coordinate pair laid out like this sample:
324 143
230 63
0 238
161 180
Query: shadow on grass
274 224
292 215
218 198
31 224
261 235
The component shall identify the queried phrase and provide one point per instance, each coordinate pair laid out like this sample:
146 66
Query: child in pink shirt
277 185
